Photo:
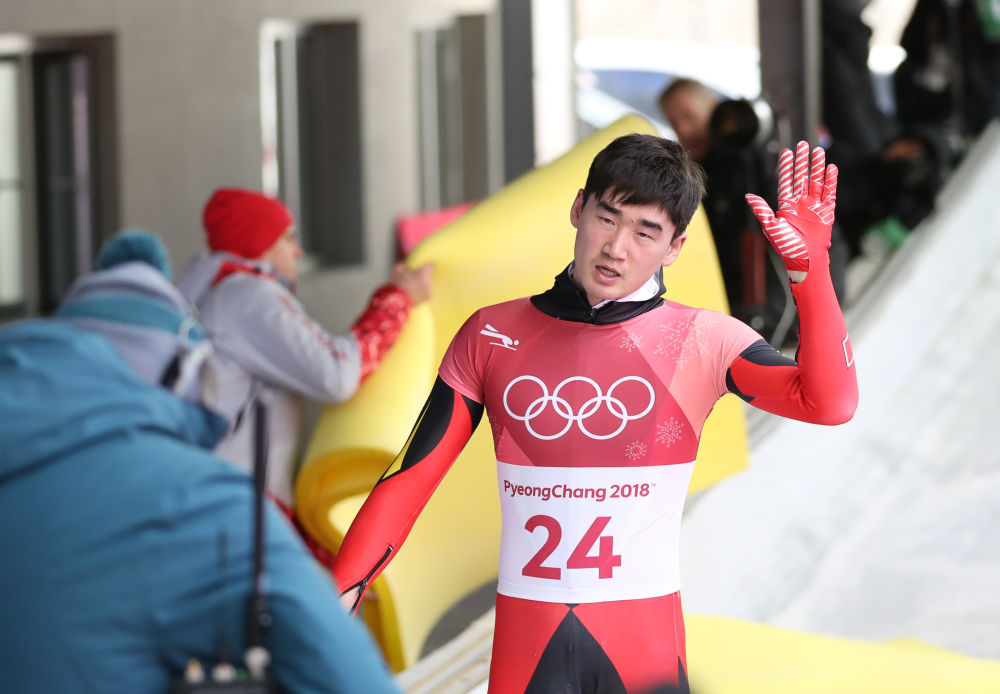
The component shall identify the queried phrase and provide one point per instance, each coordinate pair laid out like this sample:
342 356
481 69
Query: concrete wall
188 90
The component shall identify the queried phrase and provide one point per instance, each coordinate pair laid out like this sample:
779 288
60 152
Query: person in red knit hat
266 344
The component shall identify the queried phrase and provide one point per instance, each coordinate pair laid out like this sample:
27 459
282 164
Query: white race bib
590 534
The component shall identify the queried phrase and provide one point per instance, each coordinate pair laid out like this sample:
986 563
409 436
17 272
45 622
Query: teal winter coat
125 546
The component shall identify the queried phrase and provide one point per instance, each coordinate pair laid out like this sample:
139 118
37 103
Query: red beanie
243 222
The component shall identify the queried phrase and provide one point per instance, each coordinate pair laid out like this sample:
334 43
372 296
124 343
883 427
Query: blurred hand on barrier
807 196
416 283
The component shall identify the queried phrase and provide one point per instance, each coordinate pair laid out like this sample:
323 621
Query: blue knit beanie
135 244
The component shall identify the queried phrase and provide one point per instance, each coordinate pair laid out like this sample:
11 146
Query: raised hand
807 195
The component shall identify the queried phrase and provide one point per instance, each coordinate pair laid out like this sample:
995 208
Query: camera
738 124
740 160
224 678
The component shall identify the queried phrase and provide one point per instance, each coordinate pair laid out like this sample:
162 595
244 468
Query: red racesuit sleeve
377 328
821 385
443 428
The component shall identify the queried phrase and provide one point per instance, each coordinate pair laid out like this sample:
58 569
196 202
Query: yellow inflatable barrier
512 244
727 656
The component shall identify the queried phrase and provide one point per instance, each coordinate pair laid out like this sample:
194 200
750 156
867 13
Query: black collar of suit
567 301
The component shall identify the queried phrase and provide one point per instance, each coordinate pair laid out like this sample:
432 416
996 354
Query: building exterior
119 113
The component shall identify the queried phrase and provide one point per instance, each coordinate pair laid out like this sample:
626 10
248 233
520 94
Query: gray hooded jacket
265 344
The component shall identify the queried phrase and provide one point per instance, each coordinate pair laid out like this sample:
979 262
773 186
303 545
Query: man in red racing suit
596 392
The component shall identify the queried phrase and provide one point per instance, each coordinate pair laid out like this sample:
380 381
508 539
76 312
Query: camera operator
126 544
730 141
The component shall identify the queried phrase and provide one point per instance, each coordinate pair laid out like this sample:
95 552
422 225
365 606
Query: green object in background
892 230
989 18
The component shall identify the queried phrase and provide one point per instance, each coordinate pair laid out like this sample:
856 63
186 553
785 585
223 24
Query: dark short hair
648 170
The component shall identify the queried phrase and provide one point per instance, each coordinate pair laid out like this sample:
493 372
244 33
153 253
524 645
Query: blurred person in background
893 166
266 344
126 544
950 78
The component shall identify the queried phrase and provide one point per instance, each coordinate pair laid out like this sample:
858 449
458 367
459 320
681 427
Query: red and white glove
807 195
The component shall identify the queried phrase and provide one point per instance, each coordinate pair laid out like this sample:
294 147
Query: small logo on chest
503 340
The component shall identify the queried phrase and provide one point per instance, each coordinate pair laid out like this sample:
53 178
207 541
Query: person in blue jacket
125 546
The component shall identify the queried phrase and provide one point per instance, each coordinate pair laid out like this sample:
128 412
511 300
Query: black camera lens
738 123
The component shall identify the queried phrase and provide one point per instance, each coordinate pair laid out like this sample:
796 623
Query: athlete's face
619 247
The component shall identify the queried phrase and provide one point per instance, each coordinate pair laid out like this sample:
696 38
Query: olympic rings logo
562 407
